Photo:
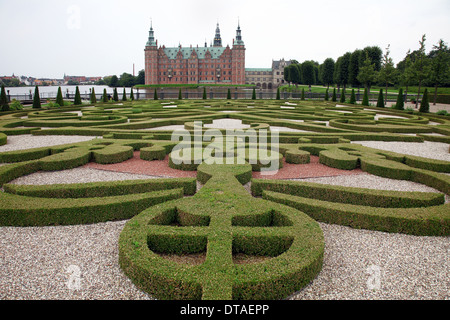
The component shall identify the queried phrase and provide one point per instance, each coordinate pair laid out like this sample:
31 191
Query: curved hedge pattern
240 224
168 216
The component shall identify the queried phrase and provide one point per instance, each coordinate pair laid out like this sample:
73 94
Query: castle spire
151 35
239 35
217 38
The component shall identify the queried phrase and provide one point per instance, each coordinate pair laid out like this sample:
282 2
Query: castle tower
217 38
151 58
238 64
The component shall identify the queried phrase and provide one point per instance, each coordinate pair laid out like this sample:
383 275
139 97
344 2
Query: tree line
370 66
125 80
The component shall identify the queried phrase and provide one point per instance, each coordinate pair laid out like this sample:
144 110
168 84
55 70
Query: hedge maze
263 244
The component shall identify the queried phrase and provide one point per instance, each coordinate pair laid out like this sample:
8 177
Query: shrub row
3 139
393 128
240 224
428 221
22 211
102 189
356 196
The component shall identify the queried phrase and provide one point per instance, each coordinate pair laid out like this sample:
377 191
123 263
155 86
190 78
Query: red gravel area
313 169
136 165
161 168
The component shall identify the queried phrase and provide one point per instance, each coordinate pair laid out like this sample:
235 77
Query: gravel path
362 264
427 149
77 175
29 141
81 262
45 263
371 181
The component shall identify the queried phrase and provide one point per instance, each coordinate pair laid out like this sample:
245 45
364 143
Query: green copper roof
216 52
258 69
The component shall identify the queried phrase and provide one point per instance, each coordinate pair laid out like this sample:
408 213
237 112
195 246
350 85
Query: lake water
51 91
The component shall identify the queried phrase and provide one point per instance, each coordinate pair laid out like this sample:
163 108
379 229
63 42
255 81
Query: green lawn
374 89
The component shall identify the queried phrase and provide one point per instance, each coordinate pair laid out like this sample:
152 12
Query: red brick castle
195 65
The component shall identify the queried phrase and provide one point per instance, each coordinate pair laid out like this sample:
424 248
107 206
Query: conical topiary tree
326 96
36 99
115 95
124 95
365 101
131 95
105 96
353 97
334 98
155 95
380 102
180 97
4 105
77 100
59 98
342 99
93 98
254 94
425 104
278 94
400 104
229 95
204 93
303 93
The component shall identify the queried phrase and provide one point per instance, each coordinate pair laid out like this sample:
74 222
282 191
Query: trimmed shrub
365 101
4 105
342 98
350 195
153 153
429 221
336 158
334 98
400 104
353 97
380 102
3 140
59 97
113 154
24 211
69 159
103 189
36 99
241 224
425 104
77 100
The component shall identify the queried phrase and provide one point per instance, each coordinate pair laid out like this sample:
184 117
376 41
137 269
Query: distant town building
267 78
81 79
195 65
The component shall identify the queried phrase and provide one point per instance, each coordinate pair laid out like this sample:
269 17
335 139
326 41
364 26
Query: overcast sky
50 38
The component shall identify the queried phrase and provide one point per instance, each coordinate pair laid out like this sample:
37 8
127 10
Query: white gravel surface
77 175
427 149
29 141
370 181
366 265
81 262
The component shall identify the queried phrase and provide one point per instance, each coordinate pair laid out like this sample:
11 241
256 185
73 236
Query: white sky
47 38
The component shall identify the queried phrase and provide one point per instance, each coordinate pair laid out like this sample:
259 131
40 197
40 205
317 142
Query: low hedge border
113 154
153 153
350 195
22 211
240 224
103 189
428 221
3 139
